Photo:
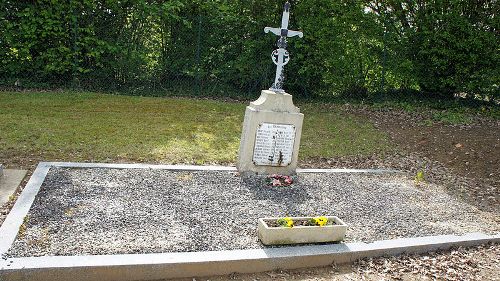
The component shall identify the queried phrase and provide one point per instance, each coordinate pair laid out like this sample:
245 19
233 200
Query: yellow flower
321 221
285 222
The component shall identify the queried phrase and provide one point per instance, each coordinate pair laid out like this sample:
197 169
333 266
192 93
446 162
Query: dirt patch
470 153
471 150
465 159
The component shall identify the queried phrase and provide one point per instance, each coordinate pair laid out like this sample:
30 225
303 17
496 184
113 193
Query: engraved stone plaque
274 144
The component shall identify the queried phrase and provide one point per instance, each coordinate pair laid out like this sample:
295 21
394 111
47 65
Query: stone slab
9 182
271 138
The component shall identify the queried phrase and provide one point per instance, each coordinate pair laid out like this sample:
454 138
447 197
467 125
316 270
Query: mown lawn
72 126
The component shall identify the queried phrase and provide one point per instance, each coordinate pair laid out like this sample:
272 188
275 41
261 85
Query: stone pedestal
271 133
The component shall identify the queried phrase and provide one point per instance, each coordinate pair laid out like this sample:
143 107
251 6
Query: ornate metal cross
281 56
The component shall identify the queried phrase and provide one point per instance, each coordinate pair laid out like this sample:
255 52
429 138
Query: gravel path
112 211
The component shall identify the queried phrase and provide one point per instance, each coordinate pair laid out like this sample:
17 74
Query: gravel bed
124 211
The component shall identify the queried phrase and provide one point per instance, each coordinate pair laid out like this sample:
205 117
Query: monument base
270 138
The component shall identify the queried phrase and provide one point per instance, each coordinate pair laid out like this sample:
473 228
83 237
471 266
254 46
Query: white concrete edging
10 227
177 265
201 168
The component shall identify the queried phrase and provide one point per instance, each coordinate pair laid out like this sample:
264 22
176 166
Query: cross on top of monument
281 56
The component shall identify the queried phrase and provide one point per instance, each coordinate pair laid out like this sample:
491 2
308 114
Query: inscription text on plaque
274 144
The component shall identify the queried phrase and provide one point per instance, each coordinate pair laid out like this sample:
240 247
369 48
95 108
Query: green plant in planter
318 221
315 221
285 222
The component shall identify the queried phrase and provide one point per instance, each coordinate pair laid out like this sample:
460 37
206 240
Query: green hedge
350 47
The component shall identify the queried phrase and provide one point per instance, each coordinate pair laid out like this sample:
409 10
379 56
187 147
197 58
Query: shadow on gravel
291 197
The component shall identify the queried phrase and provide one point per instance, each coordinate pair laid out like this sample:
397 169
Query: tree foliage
350 47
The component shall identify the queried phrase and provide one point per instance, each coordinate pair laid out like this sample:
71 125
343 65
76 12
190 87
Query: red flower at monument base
279 180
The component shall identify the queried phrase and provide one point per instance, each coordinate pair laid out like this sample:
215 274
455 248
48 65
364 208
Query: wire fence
193 61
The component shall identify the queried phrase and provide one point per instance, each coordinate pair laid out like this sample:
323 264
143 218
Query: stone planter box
301 234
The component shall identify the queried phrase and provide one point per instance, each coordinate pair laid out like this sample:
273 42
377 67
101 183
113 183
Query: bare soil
470 152
465 159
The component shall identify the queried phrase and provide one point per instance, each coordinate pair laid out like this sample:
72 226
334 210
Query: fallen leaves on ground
459 264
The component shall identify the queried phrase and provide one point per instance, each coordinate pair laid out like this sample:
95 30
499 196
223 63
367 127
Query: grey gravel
125 211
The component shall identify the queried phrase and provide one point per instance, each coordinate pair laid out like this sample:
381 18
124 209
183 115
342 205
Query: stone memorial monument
272 126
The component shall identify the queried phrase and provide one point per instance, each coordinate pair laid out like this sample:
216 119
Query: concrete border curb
10 227
191 264
201 168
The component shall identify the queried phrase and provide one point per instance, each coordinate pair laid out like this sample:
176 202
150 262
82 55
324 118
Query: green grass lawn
109 128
